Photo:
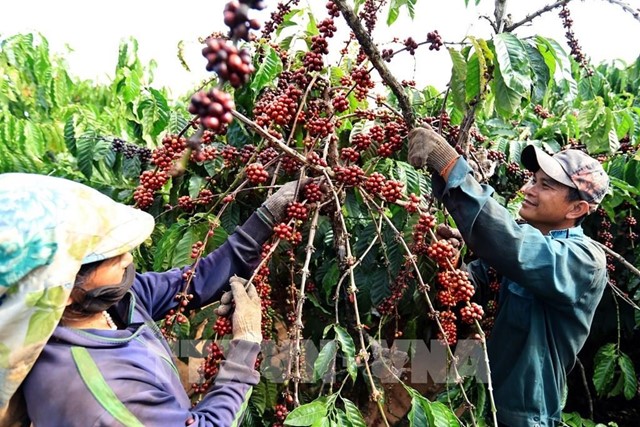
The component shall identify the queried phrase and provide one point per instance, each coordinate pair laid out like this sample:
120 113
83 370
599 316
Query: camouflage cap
572 168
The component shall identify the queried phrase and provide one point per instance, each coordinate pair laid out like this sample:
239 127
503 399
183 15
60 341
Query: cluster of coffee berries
411 45
228 62
362 81
256 173
313 192
573 43
277 17
209 368
297 210
434 38
391 191
442 252
237 19
448 321
541 112
472 312
398 288
457 283
369 15
222 326
214 108
130 151
176 316
349 175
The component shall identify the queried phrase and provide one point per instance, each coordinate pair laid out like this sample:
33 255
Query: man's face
545 205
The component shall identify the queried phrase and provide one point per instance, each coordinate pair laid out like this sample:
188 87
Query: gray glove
247 315
278 202
427 148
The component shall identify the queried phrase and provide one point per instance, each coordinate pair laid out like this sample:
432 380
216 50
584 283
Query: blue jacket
550 289
136 363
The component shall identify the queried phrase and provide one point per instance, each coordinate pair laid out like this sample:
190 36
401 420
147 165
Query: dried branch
634 12
500 9
298 325
531 17
374 56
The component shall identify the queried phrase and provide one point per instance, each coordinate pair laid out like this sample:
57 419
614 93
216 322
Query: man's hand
278 202
427 148
453 236
247 315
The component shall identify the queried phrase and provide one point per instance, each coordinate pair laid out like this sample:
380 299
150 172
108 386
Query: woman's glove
247 315
427 148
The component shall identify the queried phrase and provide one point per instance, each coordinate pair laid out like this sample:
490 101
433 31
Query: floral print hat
49 227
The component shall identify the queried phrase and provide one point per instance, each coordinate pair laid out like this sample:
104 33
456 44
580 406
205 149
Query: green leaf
426 413
378 280
70 136
330 279
85 146
474 76
629 375
267 70
308 414
513 63
507 100
559 66
458 79
604 368
353 413
596 124
324 360
265 395
348 349
153 113
417 416
440 415
541 74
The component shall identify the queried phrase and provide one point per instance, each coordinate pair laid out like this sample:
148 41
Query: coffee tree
365 268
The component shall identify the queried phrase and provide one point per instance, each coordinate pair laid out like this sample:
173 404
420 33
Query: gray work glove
278 202
247 315
428 148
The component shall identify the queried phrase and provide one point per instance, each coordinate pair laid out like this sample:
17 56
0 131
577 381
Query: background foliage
505 92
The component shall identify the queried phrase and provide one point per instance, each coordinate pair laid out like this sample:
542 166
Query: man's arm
520 252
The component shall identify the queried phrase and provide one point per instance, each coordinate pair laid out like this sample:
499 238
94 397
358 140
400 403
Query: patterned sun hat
573 168
49 227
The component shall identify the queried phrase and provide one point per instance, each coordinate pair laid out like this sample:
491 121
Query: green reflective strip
240 413
99 388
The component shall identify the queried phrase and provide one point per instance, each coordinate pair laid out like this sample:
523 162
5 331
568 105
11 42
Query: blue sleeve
239 255
547 267
222 406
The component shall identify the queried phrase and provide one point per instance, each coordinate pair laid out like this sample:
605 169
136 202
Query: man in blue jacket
553 275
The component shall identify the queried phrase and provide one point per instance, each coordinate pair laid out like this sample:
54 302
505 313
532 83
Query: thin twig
633 12
374 56
586 387
531 17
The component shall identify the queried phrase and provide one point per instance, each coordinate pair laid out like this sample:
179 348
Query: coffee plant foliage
361 261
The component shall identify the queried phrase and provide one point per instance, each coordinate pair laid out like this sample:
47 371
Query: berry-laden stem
302 103
531 17
290 151
298 325
458 378
376 395
373 54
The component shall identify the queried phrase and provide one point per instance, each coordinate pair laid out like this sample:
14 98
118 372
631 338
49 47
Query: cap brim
534 159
